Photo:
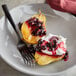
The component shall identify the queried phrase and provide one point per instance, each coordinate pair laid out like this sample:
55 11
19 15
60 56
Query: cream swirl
59 46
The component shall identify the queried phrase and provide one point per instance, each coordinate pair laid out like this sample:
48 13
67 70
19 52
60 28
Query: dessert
34 28
45 48
50 48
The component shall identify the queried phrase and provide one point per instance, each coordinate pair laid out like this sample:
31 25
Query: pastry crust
43 59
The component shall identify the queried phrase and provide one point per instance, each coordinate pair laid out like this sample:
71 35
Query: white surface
61 23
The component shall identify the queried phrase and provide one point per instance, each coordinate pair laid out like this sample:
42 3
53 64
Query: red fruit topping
43 47
36 26
66 56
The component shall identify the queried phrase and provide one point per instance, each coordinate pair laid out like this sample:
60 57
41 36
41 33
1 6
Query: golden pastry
34 28
50 48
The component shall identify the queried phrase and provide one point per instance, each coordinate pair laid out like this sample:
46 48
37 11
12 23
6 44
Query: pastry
50 48
34 28
45 48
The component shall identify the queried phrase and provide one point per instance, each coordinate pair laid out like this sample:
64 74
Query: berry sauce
51 46
37 27
66 56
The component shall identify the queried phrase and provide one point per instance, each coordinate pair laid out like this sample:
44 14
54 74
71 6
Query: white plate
57 23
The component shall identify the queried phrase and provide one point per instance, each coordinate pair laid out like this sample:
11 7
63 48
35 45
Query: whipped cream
61 45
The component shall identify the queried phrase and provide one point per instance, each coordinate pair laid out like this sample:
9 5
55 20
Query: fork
21 45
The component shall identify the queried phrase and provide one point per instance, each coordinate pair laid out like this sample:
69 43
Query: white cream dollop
59 50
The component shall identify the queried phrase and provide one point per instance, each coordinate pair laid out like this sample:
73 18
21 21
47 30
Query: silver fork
22 46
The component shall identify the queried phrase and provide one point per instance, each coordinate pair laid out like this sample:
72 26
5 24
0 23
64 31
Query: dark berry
48 44
54 44
43 48
43 40
33 33
40 27
36 30
39 45
40 41
65 55
30 23
44 33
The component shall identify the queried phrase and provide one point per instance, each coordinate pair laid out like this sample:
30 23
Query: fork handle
9 17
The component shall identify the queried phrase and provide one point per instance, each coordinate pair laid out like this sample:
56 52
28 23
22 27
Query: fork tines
26 54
